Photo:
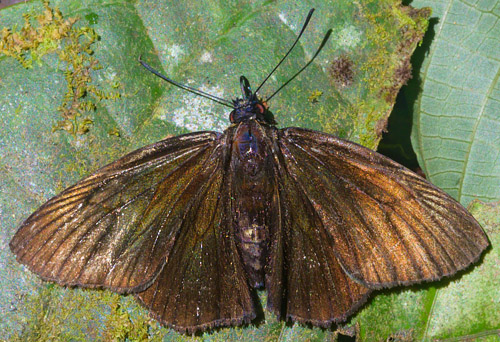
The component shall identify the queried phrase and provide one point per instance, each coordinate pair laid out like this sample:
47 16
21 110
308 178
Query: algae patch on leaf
50 33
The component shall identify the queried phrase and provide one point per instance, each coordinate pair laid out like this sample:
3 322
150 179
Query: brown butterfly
192 225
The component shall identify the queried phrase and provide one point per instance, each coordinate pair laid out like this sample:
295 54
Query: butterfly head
250 107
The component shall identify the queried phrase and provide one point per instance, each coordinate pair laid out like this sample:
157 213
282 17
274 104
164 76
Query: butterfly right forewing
387 226
115 228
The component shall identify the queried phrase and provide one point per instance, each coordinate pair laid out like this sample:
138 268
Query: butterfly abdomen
252 191
252 242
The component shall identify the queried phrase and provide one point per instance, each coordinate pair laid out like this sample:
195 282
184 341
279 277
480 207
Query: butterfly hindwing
203 283
315 289
305 281
115 228
387 226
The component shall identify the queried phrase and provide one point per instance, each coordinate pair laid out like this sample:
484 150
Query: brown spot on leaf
381 126
402 75
411 34
341 70
403 72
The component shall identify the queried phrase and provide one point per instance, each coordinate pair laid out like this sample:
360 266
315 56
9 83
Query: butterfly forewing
115 228
386 225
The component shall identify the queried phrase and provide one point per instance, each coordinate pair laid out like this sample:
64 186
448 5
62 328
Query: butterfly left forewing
115 228
387 225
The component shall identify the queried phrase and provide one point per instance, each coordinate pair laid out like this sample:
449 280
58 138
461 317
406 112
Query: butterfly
192 225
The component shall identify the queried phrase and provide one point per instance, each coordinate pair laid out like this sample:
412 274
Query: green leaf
470 306
455 134
456 131
207 45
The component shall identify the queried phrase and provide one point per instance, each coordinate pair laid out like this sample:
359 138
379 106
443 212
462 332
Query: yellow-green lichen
393 32
57 314
379 67
114 132
314 96
31 43
390 59
120 326
49 32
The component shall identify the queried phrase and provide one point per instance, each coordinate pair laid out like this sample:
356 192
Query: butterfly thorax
251 110
250 107
252 192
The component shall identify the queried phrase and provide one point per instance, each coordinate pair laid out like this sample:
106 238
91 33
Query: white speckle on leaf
108 74
198 113
285 21
349 37
206 57
283 18
175 51
78 143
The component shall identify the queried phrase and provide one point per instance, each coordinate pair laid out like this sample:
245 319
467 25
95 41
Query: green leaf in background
456 131
455 100
349 90
456 135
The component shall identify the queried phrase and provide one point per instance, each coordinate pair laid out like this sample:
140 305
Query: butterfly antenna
290 50
188 88
328 33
